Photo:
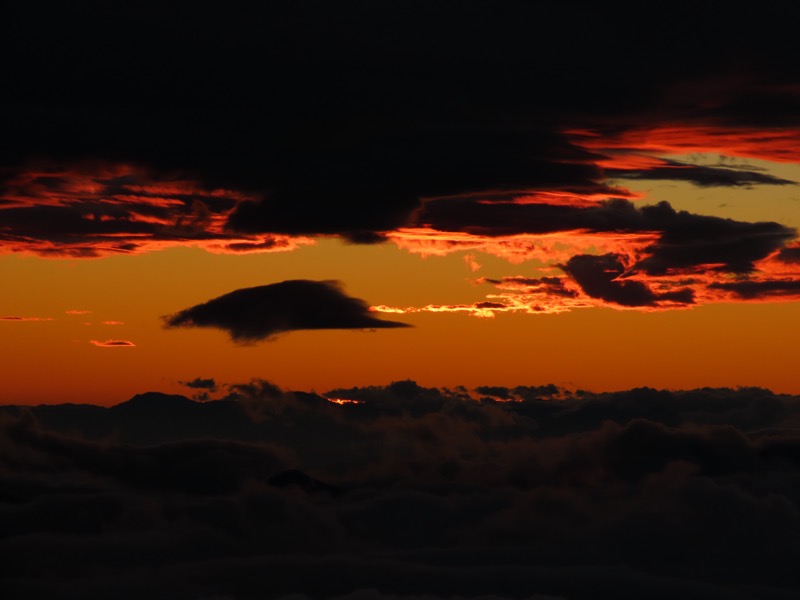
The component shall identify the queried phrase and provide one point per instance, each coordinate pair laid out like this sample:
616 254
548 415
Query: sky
509 195
474 195
399 300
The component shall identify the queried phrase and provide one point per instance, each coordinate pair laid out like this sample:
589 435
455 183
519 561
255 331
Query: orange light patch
113 343
342 401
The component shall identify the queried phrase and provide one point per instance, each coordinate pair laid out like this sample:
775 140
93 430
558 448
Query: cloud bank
529 491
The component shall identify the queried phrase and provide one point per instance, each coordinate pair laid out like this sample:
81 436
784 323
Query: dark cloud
702 175
514 492
603 277
789 255
381 189
692 240
753 290
685 240
200 383
206 387
378 108
258 313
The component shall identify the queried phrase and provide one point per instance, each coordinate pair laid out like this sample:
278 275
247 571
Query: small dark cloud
199 383
489 304
702 175
259 313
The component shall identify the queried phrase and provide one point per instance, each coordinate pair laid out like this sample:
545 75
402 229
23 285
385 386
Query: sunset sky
455 195
399 300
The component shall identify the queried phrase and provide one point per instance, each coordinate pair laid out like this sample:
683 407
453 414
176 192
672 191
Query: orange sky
60 314
81 316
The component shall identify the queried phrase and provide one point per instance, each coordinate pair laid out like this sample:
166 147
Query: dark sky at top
325 107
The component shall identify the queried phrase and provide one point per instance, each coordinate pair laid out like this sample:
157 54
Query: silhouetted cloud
602 277
701 175
199 383
751 290
692 240
262 312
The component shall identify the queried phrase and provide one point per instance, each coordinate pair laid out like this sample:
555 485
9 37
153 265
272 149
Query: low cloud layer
259 313
400 490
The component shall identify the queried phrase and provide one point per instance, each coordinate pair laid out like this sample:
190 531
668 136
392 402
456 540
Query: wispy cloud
113 343
14 318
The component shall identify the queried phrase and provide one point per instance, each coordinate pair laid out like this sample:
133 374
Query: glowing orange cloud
113 343
547 248
343 401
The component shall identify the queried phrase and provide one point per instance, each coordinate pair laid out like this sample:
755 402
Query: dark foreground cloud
378 107
258 313
402 492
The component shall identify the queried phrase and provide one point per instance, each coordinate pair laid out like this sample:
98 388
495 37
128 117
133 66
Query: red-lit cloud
97 209
638 148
